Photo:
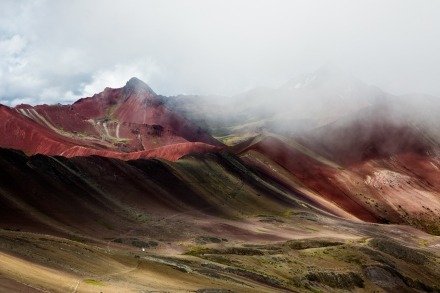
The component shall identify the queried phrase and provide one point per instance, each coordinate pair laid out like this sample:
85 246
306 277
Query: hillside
128 122
205 221
125 192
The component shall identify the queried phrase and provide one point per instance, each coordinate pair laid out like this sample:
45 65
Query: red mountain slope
21 132
128 122
375 168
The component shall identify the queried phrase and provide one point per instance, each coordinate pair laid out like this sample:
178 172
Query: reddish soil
126 123
313 174
20 132
137 103
169 152
375 165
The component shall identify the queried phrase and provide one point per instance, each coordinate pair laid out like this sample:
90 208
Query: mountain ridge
131 119
119 191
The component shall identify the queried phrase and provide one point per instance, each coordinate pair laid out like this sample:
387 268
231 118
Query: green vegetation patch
347 281
399 251
287 213
240 251
268 280
143 244
94 282
311 243
197 250
209 239
77 239
233 139
105 224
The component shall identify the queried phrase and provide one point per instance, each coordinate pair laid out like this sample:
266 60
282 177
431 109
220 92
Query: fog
59 51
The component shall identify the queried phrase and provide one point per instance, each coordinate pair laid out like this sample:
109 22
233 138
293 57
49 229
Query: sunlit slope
42 263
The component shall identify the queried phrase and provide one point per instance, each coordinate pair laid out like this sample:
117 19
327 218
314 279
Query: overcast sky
60 50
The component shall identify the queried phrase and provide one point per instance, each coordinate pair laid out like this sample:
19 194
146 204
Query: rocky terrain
128 191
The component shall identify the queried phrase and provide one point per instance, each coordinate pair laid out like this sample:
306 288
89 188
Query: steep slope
302 169
117 123
396 158
275 213
21 132
377 165
60 193
206 223
137 103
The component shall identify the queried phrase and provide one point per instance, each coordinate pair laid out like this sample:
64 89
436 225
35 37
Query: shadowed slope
209 221
68 195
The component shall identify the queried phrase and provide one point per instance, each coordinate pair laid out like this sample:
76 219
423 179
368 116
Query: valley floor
294 252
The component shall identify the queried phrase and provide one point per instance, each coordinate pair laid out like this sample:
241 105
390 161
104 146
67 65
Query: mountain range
324 184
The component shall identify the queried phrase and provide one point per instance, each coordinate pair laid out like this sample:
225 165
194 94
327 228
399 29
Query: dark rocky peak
138 86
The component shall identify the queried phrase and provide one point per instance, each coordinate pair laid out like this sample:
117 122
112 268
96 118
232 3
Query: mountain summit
137 84
127 122
138 87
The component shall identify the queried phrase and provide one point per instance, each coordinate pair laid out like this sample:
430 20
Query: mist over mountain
219 146
60 52
302 104
323 183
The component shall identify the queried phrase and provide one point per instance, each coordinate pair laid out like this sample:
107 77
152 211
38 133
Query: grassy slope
205 221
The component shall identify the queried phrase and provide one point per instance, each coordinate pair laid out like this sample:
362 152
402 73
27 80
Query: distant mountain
380 163
301 104
128 122
349 148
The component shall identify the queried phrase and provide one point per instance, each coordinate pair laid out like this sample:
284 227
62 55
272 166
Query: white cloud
19 101
12 60
12 46
118 75
59 50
